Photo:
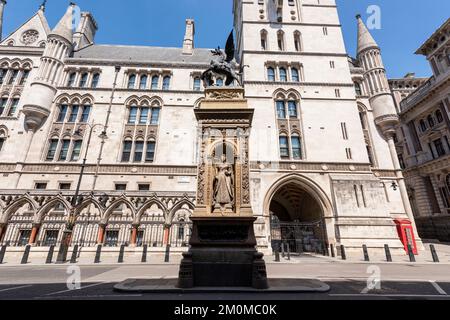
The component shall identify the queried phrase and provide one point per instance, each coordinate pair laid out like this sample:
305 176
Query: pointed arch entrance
296 209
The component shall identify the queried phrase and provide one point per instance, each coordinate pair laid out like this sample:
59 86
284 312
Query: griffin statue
224 65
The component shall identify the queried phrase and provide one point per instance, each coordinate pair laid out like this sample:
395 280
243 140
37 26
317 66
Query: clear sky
406 24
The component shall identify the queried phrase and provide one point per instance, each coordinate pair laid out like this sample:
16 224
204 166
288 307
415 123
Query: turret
85 33
375 80
58 47
188 42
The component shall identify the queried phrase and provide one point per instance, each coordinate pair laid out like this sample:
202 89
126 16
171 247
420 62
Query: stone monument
223 245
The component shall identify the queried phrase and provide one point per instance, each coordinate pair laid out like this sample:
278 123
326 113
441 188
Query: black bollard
277 255
434 253
2 253
167 255
326 251
343 255
26 254
332 251
121 254
288 249
388 253
283 254
98 254
73 258
51 250
366 253
144 254
412 258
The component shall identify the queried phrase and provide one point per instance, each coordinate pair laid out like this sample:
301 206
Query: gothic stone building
423 139
324 167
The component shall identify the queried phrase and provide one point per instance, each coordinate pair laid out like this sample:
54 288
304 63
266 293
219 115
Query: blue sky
406 24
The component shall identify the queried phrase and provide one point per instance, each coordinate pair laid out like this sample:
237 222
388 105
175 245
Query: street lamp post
67 235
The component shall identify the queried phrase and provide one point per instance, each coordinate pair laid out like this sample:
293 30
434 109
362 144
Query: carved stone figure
223 186
224 65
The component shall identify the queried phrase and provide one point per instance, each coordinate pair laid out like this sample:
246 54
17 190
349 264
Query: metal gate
299 236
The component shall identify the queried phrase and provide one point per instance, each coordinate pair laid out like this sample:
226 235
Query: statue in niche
223 186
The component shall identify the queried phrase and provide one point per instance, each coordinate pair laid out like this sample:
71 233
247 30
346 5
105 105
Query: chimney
188 43
85 33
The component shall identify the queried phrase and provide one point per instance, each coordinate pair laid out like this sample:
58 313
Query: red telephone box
406 234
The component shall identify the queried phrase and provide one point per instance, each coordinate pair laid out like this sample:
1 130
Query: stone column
2 229
34 233
166 234
134 232
101 233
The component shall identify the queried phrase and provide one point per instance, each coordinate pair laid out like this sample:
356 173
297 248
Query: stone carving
224 95
223 185
30 37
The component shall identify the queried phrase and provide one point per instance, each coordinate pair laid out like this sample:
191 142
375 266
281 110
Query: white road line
438 288
385 295
71 290
15 288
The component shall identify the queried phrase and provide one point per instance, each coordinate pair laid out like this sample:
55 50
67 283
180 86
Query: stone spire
365 39
188 42
64 28
2 7
42 6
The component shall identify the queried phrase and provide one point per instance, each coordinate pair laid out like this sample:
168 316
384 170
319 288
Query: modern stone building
423 139
324 168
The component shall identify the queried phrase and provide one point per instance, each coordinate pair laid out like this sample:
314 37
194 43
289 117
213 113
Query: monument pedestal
223 245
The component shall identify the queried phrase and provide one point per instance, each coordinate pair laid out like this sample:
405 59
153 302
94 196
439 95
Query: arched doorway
297 220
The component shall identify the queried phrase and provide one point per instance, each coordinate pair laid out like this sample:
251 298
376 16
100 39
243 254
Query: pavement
347 280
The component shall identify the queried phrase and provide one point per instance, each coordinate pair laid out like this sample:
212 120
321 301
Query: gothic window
283 75
263 40
13 77
95 80
284 147
280 40
155 82
76 150
85 113
281 110
143 118
24 77
358 89
271 74
295 75
52 149
297 41
296 147
155 115
64 150
83 80
430 121
439 116
132 115
150 154
423 125
73 114
13 107
197 84
439 147
143 82
3 73
62 113
365 127
401 161
126 153
138 151
166 83
71 81
3 103
131 81
292 108
2 139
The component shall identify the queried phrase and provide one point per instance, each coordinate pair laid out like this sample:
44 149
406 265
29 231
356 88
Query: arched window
430 121
13 77
24 77
423 125
283 75
95 80
439 116
295 75
297 41
126 150
358 89
74 113
271 74
76 150
166 83
62 113
284 146
3 73
296 147
138 150
71 80
155 82
3 104
155 115
263 40
83 80
53 145
85 113
292 108
132 115
219 82
2 139
150 153
363 119
143 118
280 40
197 84
131 81
143 82
281 109
13 107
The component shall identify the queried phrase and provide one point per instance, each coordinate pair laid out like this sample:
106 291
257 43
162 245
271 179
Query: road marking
385 295
438 288
71 290
15 288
